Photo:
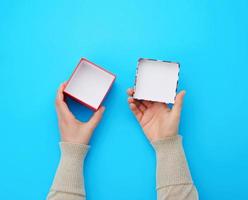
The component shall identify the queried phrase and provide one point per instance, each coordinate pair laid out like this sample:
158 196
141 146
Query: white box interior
156 80
89 83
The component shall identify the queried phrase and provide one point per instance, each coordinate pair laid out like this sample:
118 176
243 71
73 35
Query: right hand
157 120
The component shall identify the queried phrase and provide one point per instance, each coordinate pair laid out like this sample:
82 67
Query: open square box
156 80
89 84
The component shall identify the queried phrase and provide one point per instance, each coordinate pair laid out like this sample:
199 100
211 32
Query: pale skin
71 129
157 120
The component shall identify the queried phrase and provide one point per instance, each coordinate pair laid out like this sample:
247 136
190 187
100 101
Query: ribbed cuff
172 167
69 176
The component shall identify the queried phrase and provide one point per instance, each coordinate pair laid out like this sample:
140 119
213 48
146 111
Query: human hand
71 129
157 120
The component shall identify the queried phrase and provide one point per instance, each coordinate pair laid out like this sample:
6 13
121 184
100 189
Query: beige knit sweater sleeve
68 183
173 176
174 181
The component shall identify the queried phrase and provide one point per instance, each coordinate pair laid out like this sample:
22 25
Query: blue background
42 41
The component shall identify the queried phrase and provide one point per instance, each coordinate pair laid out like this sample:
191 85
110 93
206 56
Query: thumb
96 118
178 103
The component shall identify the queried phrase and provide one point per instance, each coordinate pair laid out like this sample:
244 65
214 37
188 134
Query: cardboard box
89 84
156 80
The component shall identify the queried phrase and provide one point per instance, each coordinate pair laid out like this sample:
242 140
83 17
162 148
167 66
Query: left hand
71 129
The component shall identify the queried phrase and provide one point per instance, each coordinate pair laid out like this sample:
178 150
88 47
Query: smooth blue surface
42 41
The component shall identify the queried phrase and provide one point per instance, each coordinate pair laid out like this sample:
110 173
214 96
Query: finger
159 105
148 104
138 103
141 106
178 102
136 111
96 117
130 91
61 107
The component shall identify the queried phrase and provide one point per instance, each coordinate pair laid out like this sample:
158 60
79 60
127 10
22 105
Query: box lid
156 80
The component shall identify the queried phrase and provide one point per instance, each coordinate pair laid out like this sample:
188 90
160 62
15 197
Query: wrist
76 140
161 137
168 140
73 150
